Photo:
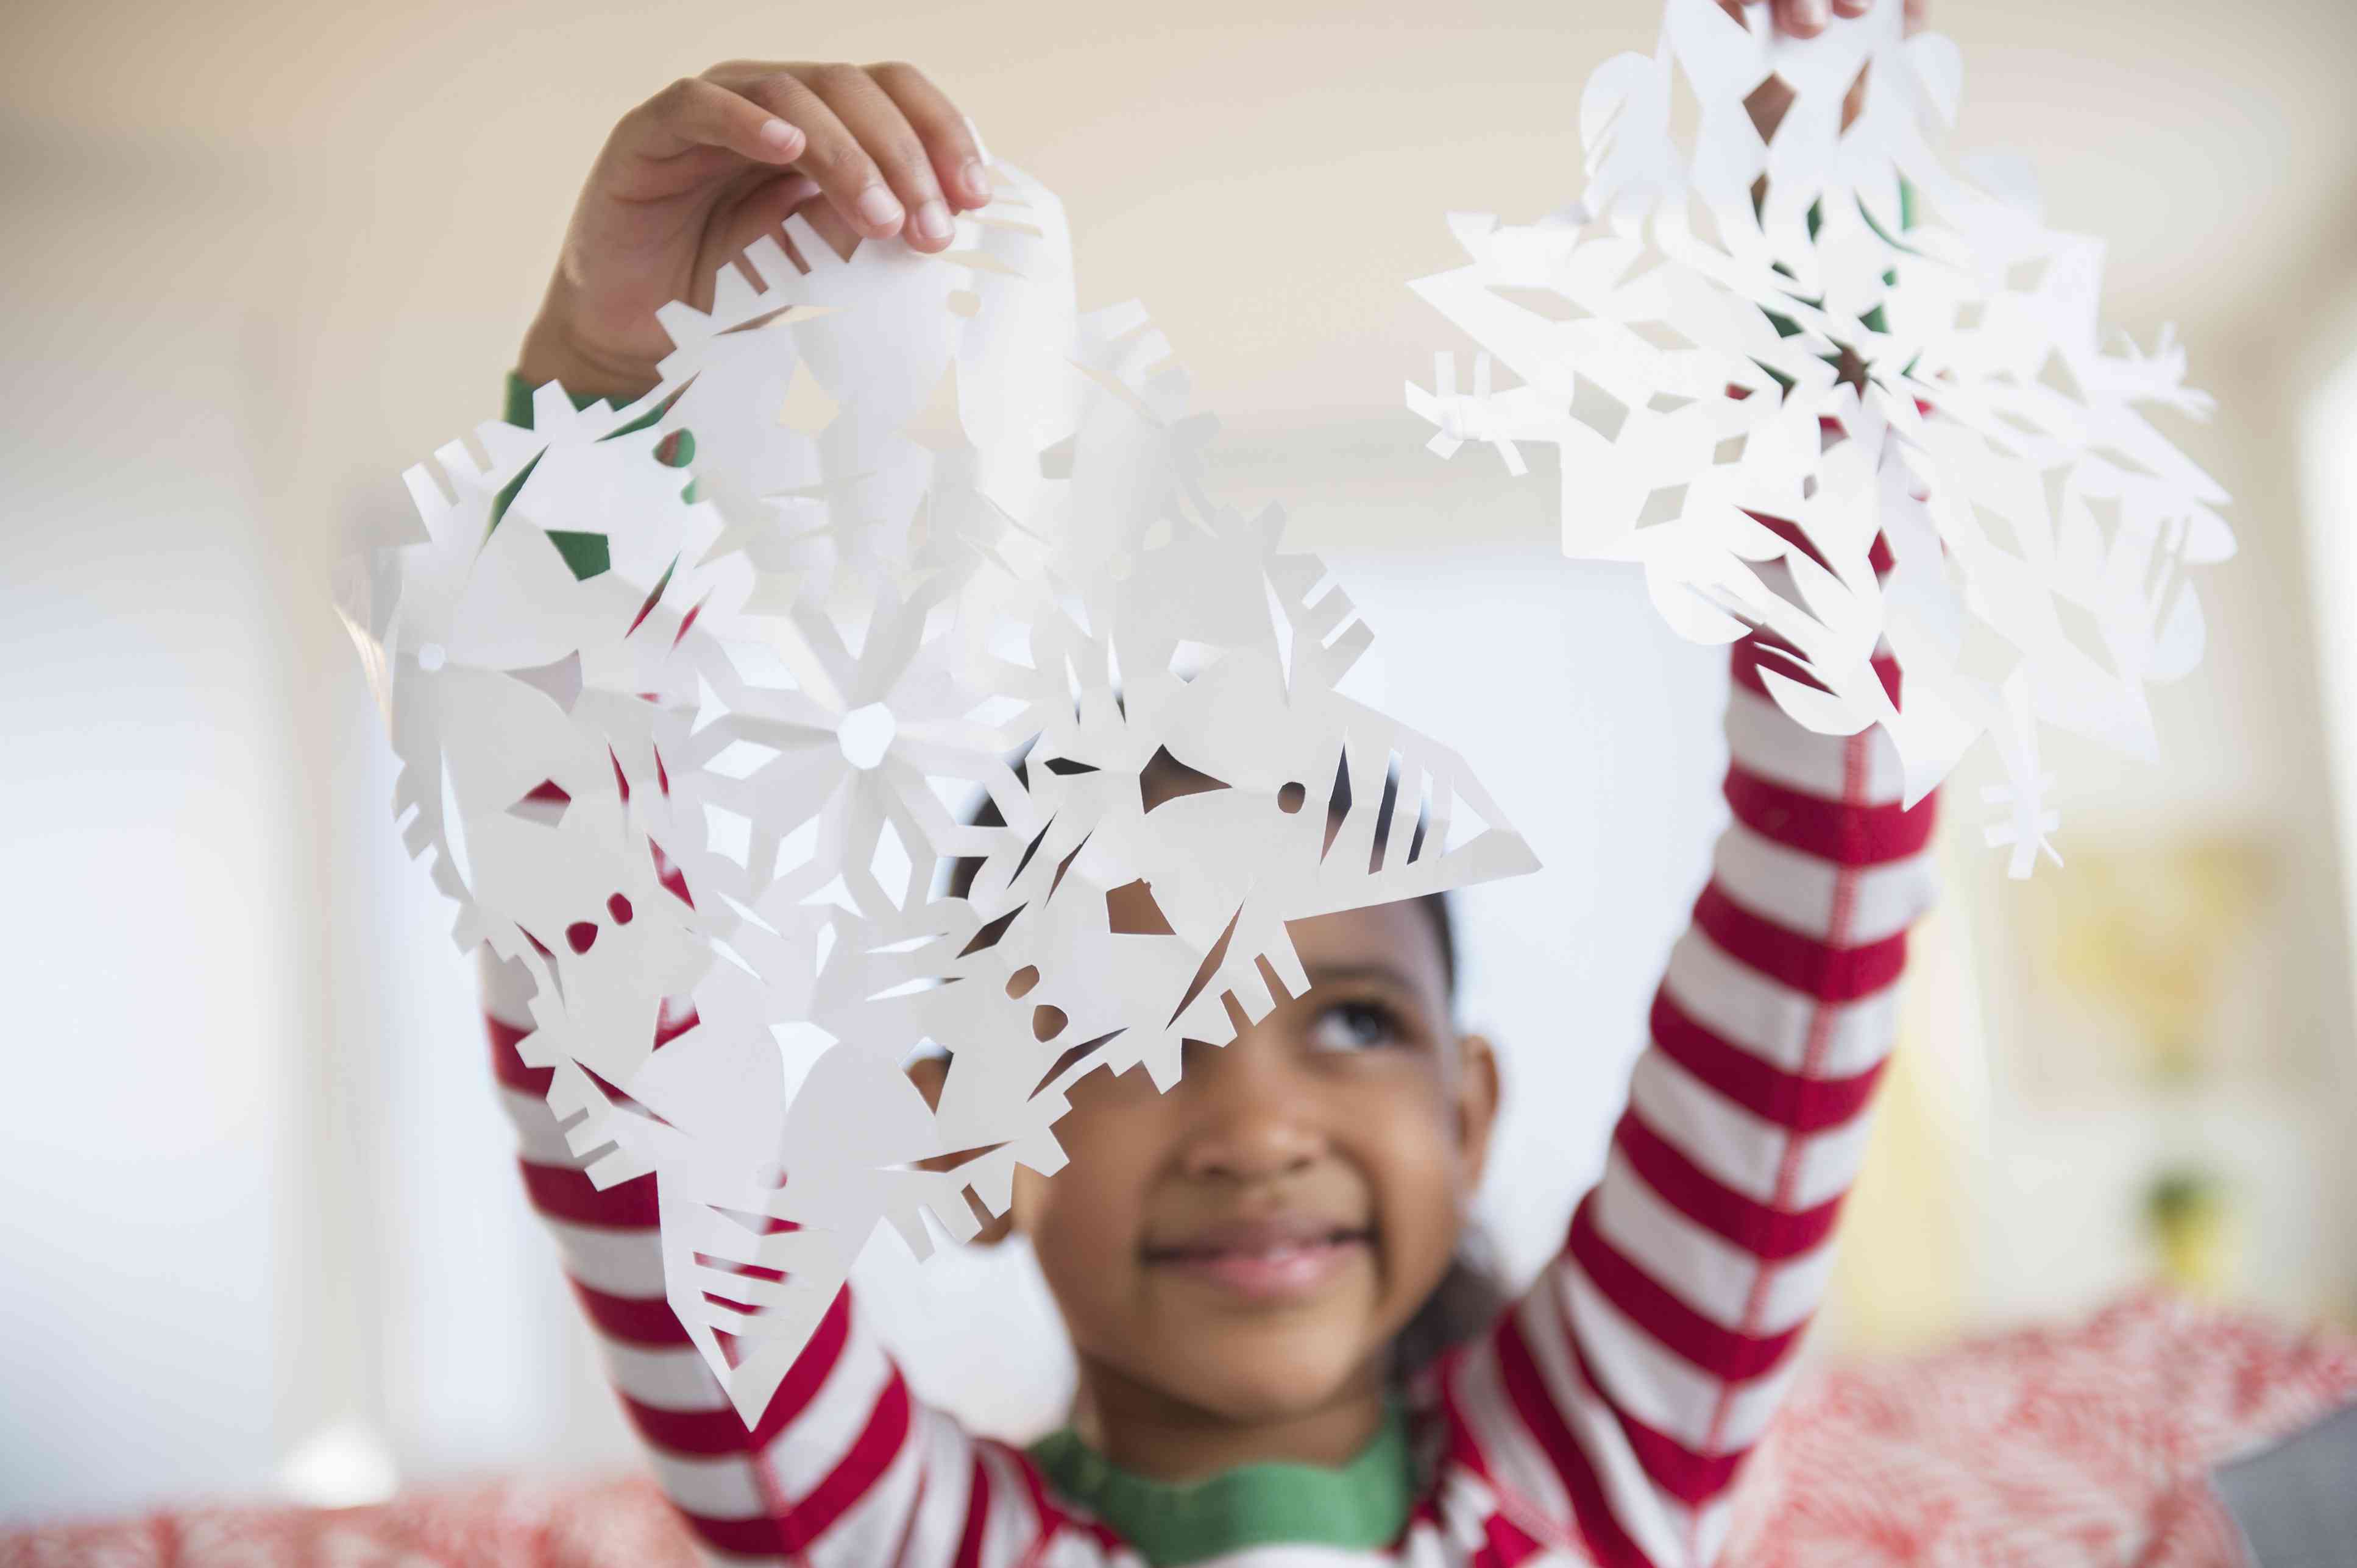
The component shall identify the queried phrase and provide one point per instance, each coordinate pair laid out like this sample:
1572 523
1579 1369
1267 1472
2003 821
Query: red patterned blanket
2085 1445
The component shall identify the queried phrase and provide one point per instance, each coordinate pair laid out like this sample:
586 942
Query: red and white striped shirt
1606 1416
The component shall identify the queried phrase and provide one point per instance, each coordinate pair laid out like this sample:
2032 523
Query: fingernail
976 183
876 206
1814 13
782 136
932 222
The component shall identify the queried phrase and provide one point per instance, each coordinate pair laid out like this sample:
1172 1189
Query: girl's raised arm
1620 1397
1623 1391
844 1467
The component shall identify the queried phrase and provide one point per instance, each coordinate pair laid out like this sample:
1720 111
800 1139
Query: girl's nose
1247 1123
1259 1147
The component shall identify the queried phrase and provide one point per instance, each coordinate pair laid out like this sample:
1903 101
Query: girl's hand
702 169
1807 19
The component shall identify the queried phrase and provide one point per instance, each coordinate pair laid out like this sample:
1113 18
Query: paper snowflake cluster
696 701
1827 327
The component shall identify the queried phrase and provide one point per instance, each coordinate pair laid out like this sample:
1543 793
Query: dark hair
1469 1296
1461 1307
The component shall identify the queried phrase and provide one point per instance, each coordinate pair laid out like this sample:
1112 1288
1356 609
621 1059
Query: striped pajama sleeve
1623 1391
846 1467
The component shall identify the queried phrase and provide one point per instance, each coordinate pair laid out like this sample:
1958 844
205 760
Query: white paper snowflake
1829 328
701 765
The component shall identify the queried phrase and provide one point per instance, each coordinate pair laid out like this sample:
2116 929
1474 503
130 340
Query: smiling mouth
1266 1263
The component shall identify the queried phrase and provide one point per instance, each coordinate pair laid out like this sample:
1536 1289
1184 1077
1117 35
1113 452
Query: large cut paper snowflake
700 758
1827 327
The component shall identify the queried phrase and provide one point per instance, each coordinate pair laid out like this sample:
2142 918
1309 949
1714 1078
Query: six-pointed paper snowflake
699 758
1826 327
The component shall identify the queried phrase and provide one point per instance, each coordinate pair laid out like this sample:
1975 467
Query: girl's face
1248 1245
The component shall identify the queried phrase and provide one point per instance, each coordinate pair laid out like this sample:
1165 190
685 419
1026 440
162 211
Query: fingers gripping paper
1827 327
699 757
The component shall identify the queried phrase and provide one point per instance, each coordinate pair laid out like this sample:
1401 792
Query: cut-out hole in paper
1598 409
560 681
1131 911
1667 504
1768 103
808 407
1071 1059
1165 779
544 803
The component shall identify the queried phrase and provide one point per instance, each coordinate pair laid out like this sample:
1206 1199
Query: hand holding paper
1807 19
696 173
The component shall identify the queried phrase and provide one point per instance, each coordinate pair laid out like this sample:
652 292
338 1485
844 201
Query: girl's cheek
1113 1120
1095 1201
1411 1147
1416 1111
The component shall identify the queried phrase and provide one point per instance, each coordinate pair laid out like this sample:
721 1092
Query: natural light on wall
2329 485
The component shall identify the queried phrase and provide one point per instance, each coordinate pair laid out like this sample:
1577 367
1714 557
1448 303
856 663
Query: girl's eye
1355 1027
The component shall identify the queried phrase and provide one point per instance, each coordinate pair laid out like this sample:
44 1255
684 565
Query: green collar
1362 1504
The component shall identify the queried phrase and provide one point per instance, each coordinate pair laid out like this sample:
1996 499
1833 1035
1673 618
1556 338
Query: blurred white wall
262 257
2328 437
151 932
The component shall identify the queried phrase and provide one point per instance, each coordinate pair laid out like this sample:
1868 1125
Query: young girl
1281 1358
